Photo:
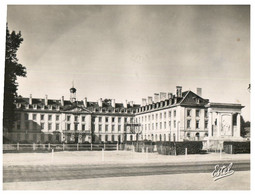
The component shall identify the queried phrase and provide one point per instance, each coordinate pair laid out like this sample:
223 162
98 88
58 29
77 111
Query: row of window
197 124
189 113
113 119
151 117
50 117
107 127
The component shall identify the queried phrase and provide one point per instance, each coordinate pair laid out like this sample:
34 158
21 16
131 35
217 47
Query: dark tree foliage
12 69
244 124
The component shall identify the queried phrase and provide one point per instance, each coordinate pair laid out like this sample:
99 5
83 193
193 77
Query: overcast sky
131 52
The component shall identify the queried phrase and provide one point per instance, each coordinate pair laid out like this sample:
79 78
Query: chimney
144 103
100 103
150 100
30 99
178 91
113 103
156 97
62 101
162 96
125 104
46 100
85 103
170 95
131 103
199 92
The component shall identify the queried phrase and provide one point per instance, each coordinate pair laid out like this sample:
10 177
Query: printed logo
221 172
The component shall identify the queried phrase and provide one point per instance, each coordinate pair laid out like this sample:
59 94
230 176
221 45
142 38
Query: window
83 118
106 138
149 127
34 137
42 125
131 138
152 116
57 126
113 119
113 127
27 125
100 137
75 118
119 127
99 119
18 136
145 127
189 112
49 126
160 115
206 124
206 113
26 116
68 126
174 123
68 118
75 127
125 120
156 116
18 116
49 117
113 138
83 127
152 126
42 137
170 113
197 124
164 114
188 123
149 118
18 125
106 119
156 125
160 125
100 127
174 113
57 117
145 118
34 116
34 126
119 120
42 117
164 125
197 113
106 127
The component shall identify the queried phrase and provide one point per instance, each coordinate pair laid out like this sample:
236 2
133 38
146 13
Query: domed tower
72 94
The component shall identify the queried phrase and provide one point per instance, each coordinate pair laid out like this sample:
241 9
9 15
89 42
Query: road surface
26 173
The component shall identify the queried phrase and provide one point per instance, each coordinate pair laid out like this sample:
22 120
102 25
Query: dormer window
27 106
50 107
18 105
34 106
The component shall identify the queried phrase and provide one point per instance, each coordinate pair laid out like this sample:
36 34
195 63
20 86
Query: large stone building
167 117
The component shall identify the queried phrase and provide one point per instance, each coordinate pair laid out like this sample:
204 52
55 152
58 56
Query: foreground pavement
52 171
191 181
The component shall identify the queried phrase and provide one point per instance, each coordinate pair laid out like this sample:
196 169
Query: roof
54 104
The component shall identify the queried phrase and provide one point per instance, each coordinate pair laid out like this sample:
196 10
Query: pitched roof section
192 99
53 104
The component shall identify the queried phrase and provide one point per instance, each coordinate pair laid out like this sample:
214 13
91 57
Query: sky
131 52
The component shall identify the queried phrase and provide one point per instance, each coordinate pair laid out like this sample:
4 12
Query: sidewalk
113 158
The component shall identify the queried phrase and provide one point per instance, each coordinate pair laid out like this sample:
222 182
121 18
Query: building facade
168 117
